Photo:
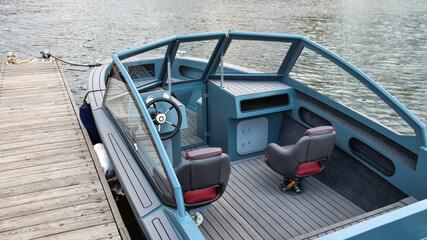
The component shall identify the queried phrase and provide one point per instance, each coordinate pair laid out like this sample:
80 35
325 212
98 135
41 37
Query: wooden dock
52 186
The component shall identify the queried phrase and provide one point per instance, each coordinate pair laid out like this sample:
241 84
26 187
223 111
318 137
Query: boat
258 136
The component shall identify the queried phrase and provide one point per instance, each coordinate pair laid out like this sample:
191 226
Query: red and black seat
306 157
203 176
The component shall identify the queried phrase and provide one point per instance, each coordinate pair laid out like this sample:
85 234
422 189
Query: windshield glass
120 104
253 56
191 59
322 75
144 68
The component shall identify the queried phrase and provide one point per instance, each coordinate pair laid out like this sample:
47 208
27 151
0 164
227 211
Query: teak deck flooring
252 207
189 135
50 187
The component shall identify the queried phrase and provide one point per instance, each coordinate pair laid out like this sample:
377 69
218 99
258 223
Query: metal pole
169 75
222 68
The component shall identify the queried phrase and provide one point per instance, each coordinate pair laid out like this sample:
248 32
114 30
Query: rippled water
386 39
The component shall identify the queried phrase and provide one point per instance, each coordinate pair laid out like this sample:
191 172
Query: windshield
120 104
253 56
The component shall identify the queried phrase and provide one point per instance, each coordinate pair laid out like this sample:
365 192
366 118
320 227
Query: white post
222 69
169 75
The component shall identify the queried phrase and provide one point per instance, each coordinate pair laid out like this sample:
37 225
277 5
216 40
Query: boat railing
298 43
401 110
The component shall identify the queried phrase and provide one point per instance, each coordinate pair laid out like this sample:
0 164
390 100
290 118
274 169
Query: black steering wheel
159 118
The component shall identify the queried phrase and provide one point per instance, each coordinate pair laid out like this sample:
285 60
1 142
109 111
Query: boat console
250 111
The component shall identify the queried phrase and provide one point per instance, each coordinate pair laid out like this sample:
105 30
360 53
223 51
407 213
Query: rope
13 58
75 64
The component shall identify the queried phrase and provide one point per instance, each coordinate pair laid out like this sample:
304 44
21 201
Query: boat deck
50 183
189 135
252 207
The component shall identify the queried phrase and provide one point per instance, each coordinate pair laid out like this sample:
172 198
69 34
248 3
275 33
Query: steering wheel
159 118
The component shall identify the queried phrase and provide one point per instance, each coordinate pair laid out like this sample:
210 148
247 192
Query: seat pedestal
291 185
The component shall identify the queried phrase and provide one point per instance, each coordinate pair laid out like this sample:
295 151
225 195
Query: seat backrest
316 144
203 169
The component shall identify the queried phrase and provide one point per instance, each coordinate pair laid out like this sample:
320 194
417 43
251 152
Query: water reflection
385 39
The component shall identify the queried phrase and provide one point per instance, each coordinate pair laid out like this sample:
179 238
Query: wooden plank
43 159
48 176
22 116
35 109
299 205
37 96
54 126
326 191
23 173
66 181
253 204
249 210
243 87
225 224
39 142
35 99
244 218
307 199
216 226
21 133
343 204
281 212
29 103
41 148
99 232
50 185
226 218
60 104
55 215
66 226
16 141
26 198
39 206
40 89
11 126
350 222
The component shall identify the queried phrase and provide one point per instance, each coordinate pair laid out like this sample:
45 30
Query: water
386 39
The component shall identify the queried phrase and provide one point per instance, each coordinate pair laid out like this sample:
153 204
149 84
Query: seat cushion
199 196
308 168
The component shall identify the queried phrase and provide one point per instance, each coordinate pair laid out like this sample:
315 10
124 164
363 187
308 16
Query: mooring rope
13 58
76 64
46 54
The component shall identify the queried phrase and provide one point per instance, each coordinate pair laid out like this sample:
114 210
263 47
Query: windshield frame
298 43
